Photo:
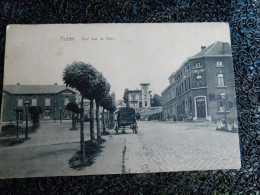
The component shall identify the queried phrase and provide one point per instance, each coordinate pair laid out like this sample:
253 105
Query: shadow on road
92 149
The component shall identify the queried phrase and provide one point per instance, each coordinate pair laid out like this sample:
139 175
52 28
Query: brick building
51 98
202 86
140 98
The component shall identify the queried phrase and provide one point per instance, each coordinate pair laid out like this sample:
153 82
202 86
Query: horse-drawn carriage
126 117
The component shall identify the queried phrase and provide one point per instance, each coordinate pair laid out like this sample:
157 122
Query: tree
112 110
35 112
18 110
105 102
74 108
157 100
102 89
82 77
125 97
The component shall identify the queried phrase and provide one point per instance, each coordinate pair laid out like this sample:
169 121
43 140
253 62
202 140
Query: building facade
139 99
203 86
51 98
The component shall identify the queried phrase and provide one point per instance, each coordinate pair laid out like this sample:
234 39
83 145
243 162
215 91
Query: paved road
158 146
162 146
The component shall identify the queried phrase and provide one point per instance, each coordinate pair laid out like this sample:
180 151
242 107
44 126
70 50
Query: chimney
55 83
203 47
18 83
226 48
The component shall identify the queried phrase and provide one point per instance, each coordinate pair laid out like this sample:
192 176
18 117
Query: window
47 101
188 68
198 65
190 103
182 89
140 104
34 102
230 104
133 96
66 114
220 80
199 80
20 102
66 101
212 97
145 103
219 63
185 85
189 84
221 106
47 114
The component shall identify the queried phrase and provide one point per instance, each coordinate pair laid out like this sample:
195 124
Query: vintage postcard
88 99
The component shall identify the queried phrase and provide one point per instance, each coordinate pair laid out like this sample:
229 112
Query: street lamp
60 114
224 97
26 103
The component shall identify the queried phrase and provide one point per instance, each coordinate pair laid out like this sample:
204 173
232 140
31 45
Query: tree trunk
91 112
103 121
111 120
73 120
82 150
17 119
107 119
98 120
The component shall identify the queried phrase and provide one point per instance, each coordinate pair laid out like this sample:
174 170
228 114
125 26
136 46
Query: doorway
201 107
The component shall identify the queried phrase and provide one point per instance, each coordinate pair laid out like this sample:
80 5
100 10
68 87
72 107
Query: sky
126 54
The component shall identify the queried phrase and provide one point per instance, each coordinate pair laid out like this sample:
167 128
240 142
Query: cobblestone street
164 146
158 147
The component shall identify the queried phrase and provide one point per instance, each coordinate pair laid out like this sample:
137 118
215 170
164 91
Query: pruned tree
102 89
18 110
112 110
105 102
125 97
35 112
74 108
82 77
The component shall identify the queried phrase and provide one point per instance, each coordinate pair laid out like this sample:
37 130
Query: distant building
51 98
140 98
199 85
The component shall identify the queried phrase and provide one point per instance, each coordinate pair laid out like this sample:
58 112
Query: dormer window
197 65
219 63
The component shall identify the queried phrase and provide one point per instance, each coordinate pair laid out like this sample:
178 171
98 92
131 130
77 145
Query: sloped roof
217 48
35 89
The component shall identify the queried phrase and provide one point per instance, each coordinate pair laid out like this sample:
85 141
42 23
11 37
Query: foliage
102 87
83 77
125 97
35 110
73 107
18 109
157 100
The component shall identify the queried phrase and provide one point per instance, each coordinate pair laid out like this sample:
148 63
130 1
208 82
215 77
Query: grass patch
92 149
11 130
11 141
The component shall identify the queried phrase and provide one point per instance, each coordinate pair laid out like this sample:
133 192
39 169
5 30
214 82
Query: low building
51 98
203 86
139 99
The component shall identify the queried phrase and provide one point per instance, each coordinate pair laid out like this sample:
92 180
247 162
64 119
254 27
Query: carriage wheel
117 127
136 128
